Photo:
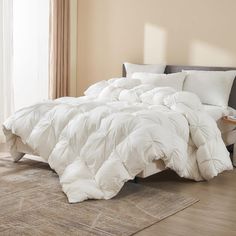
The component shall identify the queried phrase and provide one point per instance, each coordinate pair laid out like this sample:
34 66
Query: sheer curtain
31 49
24 55
6 50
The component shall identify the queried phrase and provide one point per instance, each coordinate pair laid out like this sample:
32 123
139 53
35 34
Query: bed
228 130
121 140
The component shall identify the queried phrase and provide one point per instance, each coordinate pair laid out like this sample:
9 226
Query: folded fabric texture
97 142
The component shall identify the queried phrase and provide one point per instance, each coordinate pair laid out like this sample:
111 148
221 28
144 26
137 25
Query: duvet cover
99 141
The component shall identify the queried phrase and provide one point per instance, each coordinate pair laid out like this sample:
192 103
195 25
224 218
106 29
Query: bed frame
158 166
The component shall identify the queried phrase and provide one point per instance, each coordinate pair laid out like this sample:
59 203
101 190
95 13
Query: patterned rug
32 203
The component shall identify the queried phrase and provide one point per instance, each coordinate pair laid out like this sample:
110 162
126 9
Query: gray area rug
32 203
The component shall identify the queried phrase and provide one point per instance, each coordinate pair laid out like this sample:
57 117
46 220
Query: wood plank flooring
215 214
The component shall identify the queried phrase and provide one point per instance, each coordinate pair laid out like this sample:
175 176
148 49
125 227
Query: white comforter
97 142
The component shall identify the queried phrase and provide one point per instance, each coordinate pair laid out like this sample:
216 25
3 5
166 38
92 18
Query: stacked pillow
212 87
154 75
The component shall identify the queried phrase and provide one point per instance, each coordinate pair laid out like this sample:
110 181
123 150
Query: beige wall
191 32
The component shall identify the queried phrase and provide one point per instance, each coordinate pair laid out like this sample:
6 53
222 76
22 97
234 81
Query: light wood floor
214 214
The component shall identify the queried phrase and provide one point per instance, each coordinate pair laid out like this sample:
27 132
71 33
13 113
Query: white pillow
132 68
174 80
212 87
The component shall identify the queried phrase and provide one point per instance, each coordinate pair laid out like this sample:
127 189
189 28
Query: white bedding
97 142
